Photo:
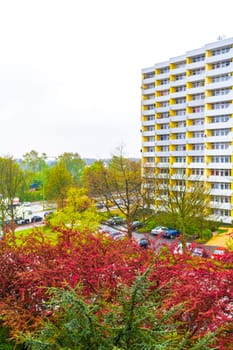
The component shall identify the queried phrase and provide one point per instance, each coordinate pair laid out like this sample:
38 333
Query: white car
159 230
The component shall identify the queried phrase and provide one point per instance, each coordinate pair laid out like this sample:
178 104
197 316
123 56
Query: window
198 83
198 97
198 58
164 93
222 212
150 128
180 76
180 124
199 172
222 77
164 149
180 64
150 117
180 147
164 126
150 159
220 159
149 75
197 134
221 186
164 104
221 199
164 82
221 51
180 88
220 145
150 139
220 172
220 92
180 136
164 137
220 105
150 107
181 112
163 115
197 159
197 71
198 109
149 86
164 70
220 132
198 121
220 64
164 159
220 118
164 171
180 159
198 146
150 97
180 100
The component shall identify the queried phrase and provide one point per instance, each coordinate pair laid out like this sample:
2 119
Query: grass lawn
220 239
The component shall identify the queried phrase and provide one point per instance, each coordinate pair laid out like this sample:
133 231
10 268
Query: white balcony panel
178 130
162 87
195 128
219 71
148 101
162 76
194 65
177 106
192 140
177 71
148 91
178 94
195 103
196 153
162 120
219 192
195 115
149 154
163 154
148 133
162 131
221 57
225 138
148 122
220 84
178 118
213 126
178 142
217 152
162 98
217 205
162 109
148 80
179 165
174 83
178 153
196 165
163 143
220 98
197 90
148 112
148 144
222 111
196 77
224 179
162 165
196 178
218 165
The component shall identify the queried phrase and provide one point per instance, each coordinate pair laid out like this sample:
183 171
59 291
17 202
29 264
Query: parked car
200 252
115 220
137 224
143 242
219 253
36 218
171 233
159 230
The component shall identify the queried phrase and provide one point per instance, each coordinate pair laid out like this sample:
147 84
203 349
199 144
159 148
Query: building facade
187 121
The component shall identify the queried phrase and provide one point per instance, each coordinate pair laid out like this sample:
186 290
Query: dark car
115 220
137 224
36 218
197 251
143 242
171 233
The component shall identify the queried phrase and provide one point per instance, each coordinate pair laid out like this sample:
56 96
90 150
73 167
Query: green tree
11 178
58 182
79 213
33 162
74 164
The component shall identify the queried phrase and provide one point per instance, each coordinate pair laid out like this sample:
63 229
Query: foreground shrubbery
91 292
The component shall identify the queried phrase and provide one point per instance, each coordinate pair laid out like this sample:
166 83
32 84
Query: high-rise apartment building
187 121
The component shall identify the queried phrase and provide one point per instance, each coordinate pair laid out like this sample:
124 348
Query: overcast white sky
70 70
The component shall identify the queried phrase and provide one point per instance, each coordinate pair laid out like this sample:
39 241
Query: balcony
196 90
219 192
219 98
195 115
162 109
162 87
221 57
175 83
220 84
219 71
196 77
148 80
195 65
148 101
148 111
219 165
177 106
148 91
148 133
224 179
220 111
162 120
195 103
177 71
220 125
178 94
148 144
220 138
162 98
199 127
148 154
216 152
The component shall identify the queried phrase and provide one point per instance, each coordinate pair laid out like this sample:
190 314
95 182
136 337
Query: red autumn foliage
101 265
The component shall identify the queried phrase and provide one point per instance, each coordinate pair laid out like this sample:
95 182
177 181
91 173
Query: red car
219 253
